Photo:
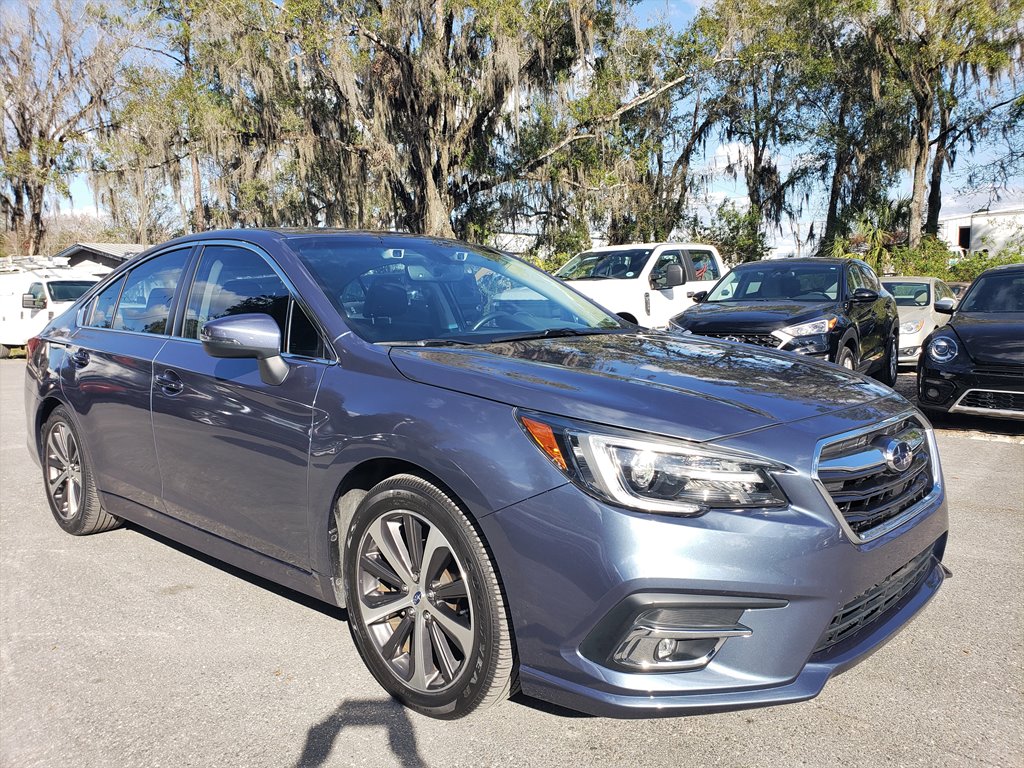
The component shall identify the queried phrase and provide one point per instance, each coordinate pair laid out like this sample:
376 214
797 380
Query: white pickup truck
647 284
29 299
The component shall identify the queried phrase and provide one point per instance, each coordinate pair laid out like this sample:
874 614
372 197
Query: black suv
834 309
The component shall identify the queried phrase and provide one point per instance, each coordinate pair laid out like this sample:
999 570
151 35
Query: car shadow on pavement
362 713
271 586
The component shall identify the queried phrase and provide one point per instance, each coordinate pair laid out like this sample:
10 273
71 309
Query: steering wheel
489 317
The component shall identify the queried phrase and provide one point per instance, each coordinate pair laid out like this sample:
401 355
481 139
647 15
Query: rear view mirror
698 296
945 306
252 336
29 301
864 295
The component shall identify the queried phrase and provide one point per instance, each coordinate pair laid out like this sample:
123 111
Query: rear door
234 451
703 270
109 367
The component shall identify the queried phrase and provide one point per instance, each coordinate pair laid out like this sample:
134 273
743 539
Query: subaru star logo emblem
899 455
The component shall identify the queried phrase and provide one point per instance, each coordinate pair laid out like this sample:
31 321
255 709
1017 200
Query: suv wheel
846 359
425 606
70 487
890 363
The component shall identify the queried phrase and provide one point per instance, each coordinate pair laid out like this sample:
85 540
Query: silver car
915 300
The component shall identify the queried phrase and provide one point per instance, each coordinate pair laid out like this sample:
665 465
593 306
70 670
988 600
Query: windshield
69 290
778 282
909 293
998 292
396 290
601 265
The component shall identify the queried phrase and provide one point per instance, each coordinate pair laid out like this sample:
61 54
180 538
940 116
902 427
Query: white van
29 299
647 284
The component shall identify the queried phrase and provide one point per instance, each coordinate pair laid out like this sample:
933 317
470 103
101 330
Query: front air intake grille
990 400
876 476
867 607
757 339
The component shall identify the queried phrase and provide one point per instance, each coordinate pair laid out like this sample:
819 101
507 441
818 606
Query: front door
234 451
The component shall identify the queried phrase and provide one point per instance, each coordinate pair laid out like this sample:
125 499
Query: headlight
942 349
654 475
812 328
912 327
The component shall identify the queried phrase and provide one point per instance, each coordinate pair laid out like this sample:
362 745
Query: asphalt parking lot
125 650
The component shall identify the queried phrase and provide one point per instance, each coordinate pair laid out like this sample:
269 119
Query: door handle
80 358
170 382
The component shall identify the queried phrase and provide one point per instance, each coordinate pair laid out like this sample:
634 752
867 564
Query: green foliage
738 235
934 259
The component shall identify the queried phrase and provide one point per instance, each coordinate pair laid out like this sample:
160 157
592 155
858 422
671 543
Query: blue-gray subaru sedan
504 484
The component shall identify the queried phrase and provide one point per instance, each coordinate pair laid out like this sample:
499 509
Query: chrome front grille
870 605
878 477
757 339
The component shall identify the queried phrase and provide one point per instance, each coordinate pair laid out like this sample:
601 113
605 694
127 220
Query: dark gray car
502 492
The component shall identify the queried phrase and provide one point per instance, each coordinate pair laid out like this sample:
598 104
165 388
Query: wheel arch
356 483
46 407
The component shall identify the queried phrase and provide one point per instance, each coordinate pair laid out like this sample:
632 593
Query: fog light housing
658 632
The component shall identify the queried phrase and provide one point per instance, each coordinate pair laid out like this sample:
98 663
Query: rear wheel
5 352
425 606
70 489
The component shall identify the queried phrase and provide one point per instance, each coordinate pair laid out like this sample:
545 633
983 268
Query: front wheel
890 364
70 487
425 605
846 359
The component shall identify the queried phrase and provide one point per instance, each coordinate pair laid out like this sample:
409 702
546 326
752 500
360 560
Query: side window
704 265
303 337
664 259
234 281
868 277
853 279
36 289
145 303
102 315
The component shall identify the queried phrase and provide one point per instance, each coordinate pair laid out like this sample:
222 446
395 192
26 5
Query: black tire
5 352
890 363
68 479
437 636
846 358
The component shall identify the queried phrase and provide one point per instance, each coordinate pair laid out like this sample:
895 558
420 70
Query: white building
983 230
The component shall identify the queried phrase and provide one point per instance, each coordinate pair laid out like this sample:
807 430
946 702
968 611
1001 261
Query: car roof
634 246
888 278
799 260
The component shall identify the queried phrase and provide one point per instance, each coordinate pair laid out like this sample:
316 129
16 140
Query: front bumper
994 391
578 560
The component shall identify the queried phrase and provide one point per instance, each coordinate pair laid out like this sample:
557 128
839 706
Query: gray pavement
124 650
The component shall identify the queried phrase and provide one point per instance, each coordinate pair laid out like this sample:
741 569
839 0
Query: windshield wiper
553 333
431 343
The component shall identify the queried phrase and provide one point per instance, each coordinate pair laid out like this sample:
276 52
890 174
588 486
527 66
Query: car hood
664 383
915 314
755 317
995 338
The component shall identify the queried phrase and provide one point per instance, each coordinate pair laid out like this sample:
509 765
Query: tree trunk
36 226
931 226
919 153
198 214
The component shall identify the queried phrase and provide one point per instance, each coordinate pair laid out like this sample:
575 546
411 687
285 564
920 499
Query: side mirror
29 301
945 306
864 295
252 336
672 277
698 296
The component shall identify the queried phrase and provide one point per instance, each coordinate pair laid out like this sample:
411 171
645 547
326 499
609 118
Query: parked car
30 299
831 309
645 284
916 299
975 363
628 523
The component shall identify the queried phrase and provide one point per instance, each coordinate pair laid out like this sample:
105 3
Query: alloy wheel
414 600
64 471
